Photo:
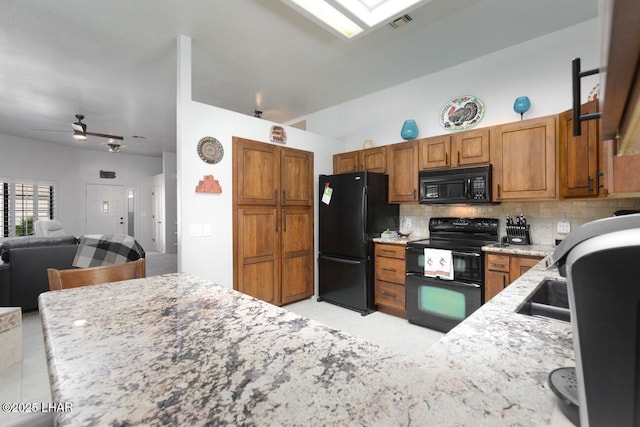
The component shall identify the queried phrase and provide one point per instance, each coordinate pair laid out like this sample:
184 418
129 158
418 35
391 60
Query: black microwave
456 185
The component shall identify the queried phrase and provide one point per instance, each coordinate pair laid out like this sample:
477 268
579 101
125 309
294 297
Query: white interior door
158 219
106 213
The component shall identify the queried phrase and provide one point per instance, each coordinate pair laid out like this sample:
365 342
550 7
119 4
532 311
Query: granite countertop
179 350
528 250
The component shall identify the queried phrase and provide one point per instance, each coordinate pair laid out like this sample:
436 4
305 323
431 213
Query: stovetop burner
459 233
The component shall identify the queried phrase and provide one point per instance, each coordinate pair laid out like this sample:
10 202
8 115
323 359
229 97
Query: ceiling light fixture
114 148
329 15
79 129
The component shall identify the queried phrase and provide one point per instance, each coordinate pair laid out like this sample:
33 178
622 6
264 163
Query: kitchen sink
550 300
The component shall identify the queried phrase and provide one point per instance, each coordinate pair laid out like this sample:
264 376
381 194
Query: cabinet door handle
504 281
284 196
498 191
387 251
393 270
284 221
458 157
589 184
387 294
446 159
598 175
498 264
277 220
275 195
414 194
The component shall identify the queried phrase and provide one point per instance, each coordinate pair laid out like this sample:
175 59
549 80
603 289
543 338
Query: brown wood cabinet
402 166
503 269
273 221
460 149
434 152
369 159
389 279
471 147
579 161
523 155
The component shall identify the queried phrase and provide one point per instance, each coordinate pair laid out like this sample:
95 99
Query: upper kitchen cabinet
460 149
434 152
579 161
402 165
261 186
470 147
296 177
374 159
621 91
369 159
278 175
523 155
346 162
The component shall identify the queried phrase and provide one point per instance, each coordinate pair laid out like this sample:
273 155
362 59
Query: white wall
71 169
211 256
169 166
539 68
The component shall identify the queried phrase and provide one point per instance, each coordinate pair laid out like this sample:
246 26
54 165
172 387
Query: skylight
351 18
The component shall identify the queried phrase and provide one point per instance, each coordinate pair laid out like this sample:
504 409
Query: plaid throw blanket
95 250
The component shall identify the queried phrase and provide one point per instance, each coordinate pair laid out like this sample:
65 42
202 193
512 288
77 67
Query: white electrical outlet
407 222
564 227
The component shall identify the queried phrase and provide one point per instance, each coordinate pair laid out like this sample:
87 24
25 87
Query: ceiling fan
80 131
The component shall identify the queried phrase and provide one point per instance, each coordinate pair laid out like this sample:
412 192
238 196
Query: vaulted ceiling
115 61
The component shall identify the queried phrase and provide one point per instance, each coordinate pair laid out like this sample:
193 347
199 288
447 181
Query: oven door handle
474 254
451 282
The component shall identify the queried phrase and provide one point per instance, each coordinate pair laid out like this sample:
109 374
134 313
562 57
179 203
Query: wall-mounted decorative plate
461 113
210 150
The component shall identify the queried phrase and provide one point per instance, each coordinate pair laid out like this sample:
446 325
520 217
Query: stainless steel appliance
600 261
456 185
438 303
352 210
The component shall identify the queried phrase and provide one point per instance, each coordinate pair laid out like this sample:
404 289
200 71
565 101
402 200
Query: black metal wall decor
107 174
576 75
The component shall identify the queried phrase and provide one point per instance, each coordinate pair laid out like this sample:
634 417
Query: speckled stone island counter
179 350
527 250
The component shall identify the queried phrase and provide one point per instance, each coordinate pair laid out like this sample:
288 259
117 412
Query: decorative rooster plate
461 113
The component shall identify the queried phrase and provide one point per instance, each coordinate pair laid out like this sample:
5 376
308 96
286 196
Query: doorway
106 212
157 202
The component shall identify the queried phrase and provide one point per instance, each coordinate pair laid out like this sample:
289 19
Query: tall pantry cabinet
272 221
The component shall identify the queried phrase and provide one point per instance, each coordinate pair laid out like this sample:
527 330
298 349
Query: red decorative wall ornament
209 185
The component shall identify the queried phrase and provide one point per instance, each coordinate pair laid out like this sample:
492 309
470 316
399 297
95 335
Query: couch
23 271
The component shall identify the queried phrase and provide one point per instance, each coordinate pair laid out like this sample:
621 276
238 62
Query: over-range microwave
456 185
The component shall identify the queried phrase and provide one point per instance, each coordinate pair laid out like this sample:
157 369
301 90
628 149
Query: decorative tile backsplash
543 216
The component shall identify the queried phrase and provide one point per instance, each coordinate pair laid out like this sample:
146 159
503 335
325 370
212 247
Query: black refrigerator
353 209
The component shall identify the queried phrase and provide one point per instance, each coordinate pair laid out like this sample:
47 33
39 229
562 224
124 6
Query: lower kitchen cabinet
274 253
503 269
389 279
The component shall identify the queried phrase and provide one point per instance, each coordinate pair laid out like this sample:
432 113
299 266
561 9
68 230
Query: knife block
518 234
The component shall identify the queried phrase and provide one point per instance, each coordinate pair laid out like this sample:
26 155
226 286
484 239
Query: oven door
440 304
467 266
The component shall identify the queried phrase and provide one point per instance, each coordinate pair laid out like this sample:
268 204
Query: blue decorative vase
521 105
409 130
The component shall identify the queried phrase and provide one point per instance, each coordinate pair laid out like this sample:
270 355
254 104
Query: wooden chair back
77 277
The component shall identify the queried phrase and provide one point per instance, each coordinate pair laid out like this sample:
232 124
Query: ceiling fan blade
50 130
104 135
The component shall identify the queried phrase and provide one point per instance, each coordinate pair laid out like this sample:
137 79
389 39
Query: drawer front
498 262
390 270
390 251
390 295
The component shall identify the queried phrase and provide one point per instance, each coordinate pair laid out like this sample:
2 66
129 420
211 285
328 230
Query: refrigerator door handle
364 214
340 260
